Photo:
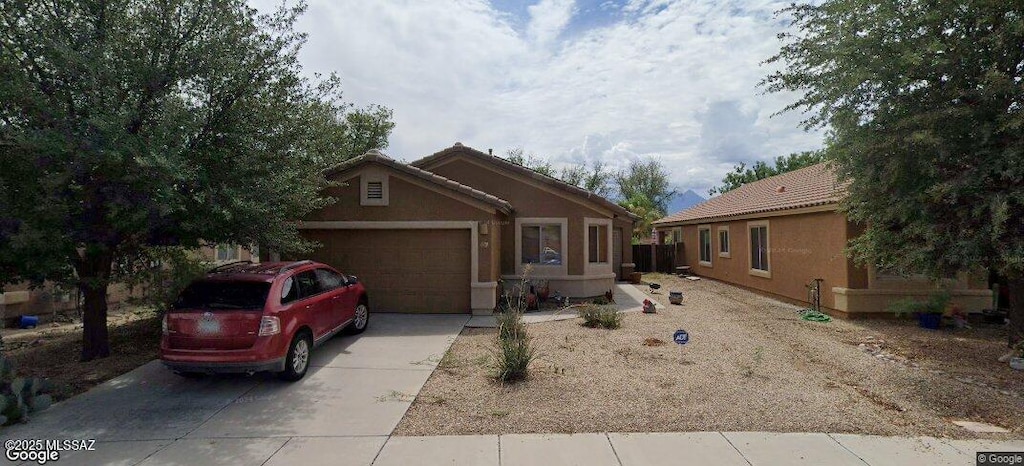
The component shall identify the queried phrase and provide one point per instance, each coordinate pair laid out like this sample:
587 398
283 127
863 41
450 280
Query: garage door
416 271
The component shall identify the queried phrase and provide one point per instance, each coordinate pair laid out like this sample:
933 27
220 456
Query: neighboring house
438 234
224 253
20 299
778 234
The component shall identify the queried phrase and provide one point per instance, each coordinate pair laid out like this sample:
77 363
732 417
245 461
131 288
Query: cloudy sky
567 80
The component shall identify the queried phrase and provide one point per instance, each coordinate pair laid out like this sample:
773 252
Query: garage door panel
403 270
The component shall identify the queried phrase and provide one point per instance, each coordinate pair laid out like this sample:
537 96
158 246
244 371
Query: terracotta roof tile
378 156
458 147
807 187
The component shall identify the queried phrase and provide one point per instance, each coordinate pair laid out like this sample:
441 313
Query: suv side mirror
351 280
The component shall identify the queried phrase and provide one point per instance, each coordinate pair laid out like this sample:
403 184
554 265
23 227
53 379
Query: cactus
21 396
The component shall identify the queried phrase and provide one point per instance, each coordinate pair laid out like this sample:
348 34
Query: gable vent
375 190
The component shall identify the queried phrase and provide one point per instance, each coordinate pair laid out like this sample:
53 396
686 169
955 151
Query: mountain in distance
683 201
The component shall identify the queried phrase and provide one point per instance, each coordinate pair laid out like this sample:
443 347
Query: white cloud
672 80
548 19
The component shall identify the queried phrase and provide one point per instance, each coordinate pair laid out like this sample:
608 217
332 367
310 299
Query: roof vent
780 189
457 144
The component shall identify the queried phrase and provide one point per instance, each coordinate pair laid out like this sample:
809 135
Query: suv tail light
270 325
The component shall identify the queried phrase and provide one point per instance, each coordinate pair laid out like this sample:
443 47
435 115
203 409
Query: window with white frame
677 235
704 243
759 247
542 244
227 252
597 244
723 242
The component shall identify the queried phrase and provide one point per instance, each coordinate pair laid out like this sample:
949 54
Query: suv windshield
223 295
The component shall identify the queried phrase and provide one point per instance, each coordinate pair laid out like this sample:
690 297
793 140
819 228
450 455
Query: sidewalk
612 449
697 448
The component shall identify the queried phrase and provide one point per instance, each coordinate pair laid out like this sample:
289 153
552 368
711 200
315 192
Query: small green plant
747 370
600 316
514 358
935 304
21 396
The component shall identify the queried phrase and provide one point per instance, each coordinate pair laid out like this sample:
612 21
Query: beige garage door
414 271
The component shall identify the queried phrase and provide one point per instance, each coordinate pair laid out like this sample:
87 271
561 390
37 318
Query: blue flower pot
930 321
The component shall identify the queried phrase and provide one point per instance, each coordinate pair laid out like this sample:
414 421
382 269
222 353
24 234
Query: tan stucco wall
802 248
529 200
811 245
411 199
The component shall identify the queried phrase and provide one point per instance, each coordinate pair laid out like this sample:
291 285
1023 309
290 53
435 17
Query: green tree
128 124
741 174
596 178
647 213
926 105
645 180
519 157
367 128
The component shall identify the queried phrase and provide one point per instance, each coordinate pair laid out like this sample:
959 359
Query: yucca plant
514 358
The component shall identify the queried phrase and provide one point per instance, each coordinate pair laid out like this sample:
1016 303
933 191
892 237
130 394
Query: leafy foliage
160 273
926 107
129 124
647 212
935 304
742 174
645 180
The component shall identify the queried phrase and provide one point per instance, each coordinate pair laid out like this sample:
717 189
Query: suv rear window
223 295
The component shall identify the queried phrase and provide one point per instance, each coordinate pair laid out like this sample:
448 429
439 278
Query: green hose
814 316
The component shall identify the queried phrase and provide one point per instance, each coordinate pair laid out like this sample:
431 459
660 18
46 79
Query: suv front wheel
297 361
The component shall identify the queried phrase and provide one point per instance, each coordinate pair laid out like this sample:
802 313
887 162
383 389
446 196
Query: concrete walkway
627 299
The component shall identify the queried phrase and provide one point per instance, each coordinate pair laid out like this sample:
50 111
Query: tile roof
458 147
379 157
811 186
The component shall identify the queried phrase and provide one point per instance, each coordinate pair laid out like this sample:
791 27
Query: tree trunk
93 269
1016 314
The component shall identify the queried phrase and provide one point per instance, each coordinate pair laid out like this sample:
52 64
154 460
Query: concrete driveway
356 392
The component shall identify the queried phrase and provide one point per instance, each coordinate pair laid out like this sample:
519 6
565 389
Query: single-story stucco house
778 234
437 234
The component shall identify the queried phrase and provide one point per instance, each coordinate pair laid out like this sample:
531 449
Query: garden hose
814 316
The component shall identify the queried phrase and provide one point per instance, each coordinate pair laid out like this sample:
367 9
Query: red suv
245 317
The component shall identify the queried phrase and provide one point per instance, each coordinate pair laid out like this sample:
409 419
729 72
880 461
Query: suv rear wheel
361 319
297 361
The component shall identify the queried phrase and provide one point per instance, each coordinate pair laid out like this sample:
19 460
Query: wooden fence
665 256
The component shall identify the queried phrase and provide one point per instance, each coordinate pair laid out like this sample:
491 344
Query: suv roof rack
222 267
294 265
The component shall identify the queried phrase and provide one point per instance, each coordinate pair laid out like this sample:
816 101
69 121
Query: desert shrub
935 304
600 316
514 356
19 396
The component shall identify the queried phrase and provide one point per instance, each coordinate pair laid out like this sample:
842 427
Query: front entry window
542 244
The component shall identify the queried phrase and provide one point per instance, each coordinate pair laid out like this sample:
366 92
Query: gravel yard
751 365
